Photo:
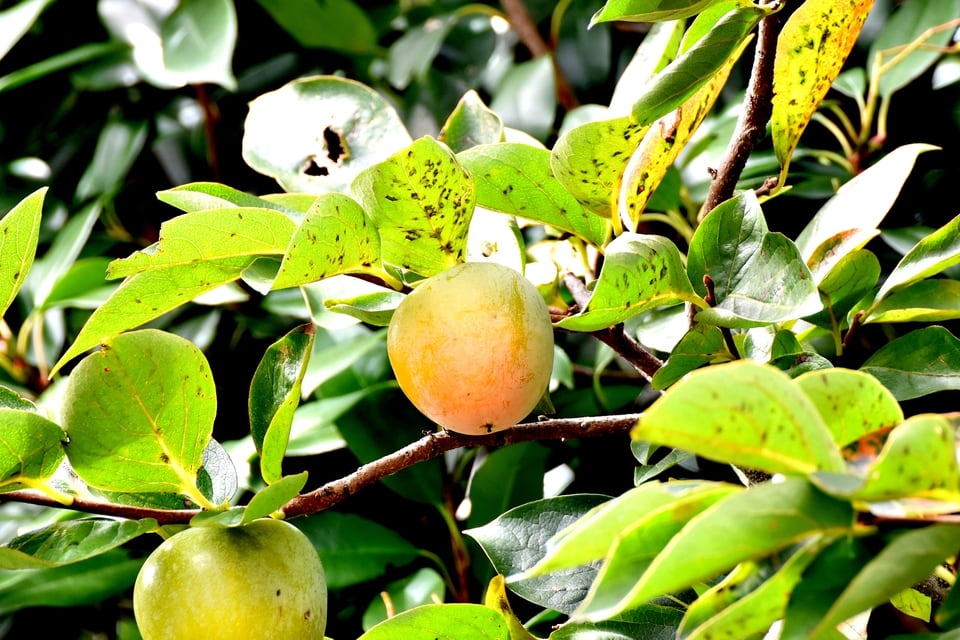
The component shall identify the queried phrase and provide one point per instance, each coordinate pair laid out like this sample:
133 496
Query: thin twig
428 447
758 106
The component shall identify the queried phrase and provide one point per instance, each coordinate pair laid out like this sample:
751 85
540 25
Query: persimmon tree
764 379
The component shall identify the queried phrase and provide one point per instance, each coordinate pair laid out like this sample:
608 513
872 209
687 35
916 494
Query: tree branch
336 491
758 107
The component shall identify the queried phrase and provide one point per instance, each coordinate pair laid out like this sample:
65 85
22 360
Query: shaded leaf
906 560
701 345
71 541
639 272
471 123
32 449
742 413
421 200
340 25
118 147
919 363
146 402
515 541
690 71
15 21
275 395
811 50
650 622
517 179
316 134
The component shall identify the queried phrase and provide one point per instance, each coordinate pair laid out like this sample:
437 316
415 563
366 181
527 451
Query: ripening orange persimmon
472 347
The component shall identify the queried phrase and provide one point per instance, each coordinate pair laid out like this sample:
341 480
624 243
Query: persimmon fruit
259 581
472 347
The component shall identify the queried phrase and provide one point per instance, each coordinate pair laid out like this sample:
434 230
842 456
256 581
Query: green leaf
19 234
633 526
517 179
752 598
49 271
375 308
471 123
933 254
701 345
271 499
208 236
275 395
71 541
198 196
753 523
442 622
921 362
140 413
662 144
745 414
650 10
640 272
657 48
412 54
589 161
650 622
853 276
811 50
851 403
918 460
516 540
147 296
925 301
684 76
315 134
31 451
87 582
335 237
859 205
531 82
421 200
354 549
908 559
725 243
198 41
340 25
910 23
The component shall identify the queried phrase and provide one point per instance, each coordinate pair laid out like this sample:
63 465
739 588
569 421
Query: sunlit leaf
275 395
421 200
148 295
811 50
517 179
495 597
650 10
424 586
752 523
336 236
15 21
933 254
851 403
443 622
315 134
19 234
742 413
640 272
934 300
702 344
658 47
197 196
919 363
145 402
270 499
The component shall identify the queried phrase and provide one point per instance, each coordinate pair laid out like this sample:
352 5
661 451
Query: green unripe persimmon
472 347
258 581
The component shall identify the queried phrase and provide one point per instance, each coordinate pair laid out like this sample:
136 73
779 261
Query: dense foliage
742 217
